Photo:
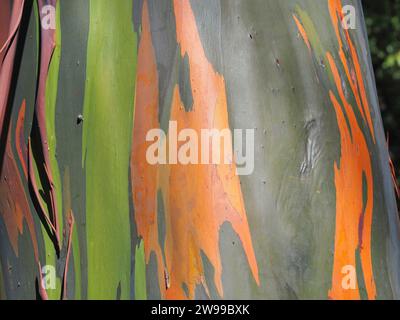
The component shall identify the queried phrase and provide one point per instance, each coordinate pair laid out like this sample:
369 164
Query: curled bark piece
47 45
35 189
71 222
7 54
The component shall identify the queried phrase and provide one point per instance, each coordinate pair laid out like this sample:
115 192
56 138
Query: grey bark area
272 85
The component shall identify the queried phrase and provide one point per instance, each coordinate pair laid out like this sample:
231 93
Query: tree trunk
84 214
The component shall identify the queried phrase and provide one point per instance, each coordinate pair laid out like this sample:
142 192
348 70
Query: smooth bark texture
77 99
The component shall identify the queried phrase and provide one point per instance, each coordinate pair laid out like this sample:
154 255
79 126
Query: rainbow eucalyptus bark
85 215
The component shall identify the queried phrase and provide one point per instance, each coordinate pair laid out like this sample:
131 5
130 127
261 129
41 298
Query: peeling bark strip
352 68
353 213
355 161
80 204
35 188
47 45
12 17
14 205
42 291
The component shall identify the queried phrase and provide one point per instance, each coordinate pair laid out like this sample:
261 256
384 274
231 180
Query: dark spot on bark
79 119
360 276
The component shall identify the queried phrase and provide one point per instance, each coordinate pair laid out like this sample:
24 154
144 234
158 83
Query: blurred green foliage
383 24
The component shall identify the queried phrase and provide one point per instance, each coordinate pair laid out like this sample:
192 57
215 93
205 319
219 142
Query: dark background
383 24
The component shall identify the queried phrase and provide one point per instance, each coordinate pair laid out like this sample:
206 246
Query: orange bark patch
197 198
353 217
352 68
302 32
353 173
145 176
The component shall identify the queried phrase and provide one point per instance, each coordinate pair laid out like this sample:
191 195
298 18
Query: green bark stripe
140 273
51 98
107 131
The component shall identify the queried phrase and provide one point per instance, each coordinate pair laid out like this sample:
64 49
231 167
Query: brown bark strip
7 55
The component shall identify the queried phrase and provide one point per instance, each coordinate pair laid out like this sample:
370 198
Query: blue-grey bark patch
209 276
137 17
208 20
161 222
185 88
200 293
360 277
152 285
237 279
19 274
69 104
163 34
185 289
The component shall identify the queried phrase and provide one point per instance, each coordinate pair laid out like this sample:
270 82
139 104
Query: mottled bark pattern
82 83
